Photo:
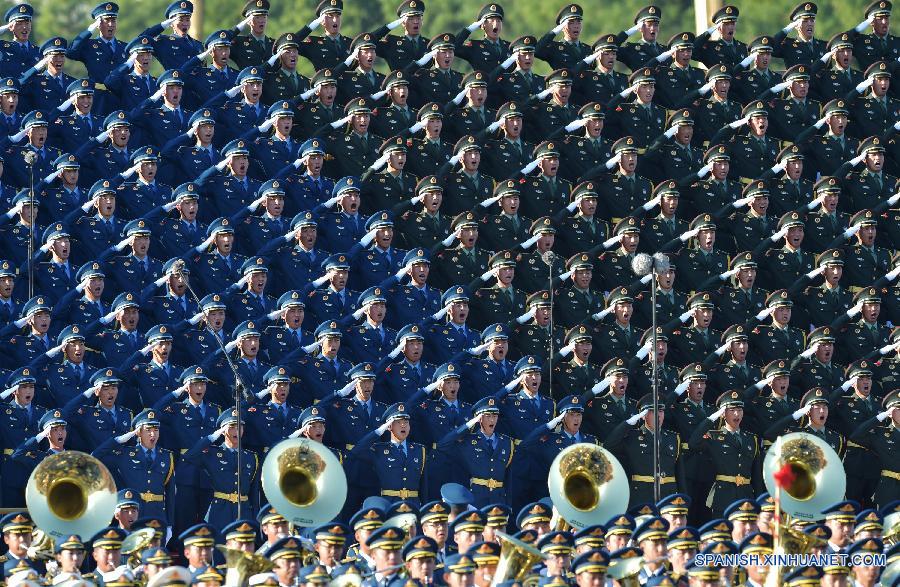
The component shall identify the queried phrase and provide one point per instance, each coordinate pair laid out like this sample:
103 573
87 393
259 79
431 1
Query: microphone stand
30 161
239 386
655 388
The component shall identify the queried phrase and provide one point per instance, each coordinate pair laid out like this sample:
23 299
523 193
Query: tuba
304 482
42 545
134 543
587 485
625 571
517 558
70 492
241 565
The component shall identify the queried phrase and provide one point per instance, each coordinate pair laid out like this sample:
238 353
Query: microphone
548 257
643 264
660 262
30 157
178 267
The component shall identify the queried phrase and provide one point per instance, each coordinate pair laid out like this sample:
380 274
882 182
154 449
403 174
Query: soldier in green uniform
546 193
786 265
697 265
397 116
734 453
577 302
829 151
617 338
794 113
823 304
871 186
393 186
865 261
535 268
725 49
748 229
520 83
254 47
805 48
680 78
634 55
851 411
474 116
282 81
874 111
623 190
674 157
811 418
634 440
427 226
501 302
837 79
669 302
883 440
711 195
576 375
507 154
665 226
778 340
557 111
570 51
331 48
399 51
696 342
586 150
772 404
506 229
666 374
750 83
430 152
363 80
825 223
603 82
816 369
536 337
721 107
642 119
867 334
739 303
465 261
737 372
604 411
614 267
791 190
468 186
357 149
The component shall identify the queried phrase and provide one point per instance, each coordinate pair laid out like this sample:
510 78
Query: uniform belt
767 443
736 479
491 484
651 479
152 497
401 493
348 446
516 441
684 446
183 450
852 444
232 497
891 474
7 451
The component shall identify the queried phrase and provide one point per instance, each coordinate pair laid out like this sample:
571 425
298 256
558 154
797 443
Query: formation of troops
431 273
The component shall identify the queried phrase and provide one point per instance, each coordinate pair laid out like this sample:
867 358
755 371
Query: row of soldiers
447 538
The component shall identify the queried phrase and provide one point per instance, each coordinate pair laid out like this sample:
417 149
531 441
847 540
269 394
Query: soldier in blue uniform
484 455
200 342
29 454
56 276
16 237
104 160
19 419
323 372
399 381
335 301
145 467
91 425
122 339
277 150
176 49
153 379
251 303
62 197
104 54
481 376
296 267
272 422
20 53
158 123
447 338
342 228
219 462
188 155
284 338
381 259
185 417
237 117
131 83
35 124
204 83
172 236
412 303
11 118
399 464
47 90
525 407
175 305
247 360
226 185
371 340
218 268
134 272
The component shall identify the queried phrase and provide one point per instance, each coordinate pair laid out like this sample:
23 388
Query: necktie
737 438
133 337
87 122
251 365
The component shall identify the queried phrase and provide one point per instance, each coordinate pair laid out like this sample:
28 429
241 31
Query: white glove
746 61
475 25
864 85
812 205
514 383
66 104
828 55
266 125
704 171
55 350
509 61
109 317
555 421
644 350
717 414
530 167
894 199
646 279
42 63
455 159
633 29
682 387
558 28
299 431
613 161
486 276
131 171
122 439
670 132
779 235
383 428
602 314
202 246
779 167
628 91
241 26
395 352
416 127
347 389
6 393
218 433
53 176
478 349
271 60
221 165
310 348
157 94
341 122
120 246
402 271
567 275
739 122
810 351
527 316
196 318
601 385
591 58
394 24
321 280
764 314
816 272
15 209
307 94
231 346
637 417
821 122
711 29
864 24
706 88
851 231
648 205
686 236
576 124
424 59
801 412
18 136
893 273
204 54
91 391
367 239
315 23
359 314
886 414
666 55
147 348
458 99
685 316
378 95
720 350
169 22
232 92
487 203
849 383
380 162
567 350
94 25
857 160
764 382
450 238
738 204
855 310
441 313
43 434
131 59
474 420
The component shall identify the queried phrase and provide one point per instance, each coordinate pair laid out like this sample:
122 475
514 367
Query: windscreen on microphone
661 262
548 257
642 264
30 157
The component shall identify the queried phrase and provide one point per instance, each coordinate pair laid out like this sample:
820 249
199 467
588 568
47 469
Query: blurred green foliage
67 17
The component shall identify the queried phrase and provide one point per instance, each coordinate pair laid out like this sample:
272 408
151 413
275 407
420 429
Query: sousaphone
587 485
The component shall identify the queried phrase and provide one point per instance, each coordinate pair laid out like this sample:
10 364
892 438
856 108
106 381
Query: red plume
785 476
